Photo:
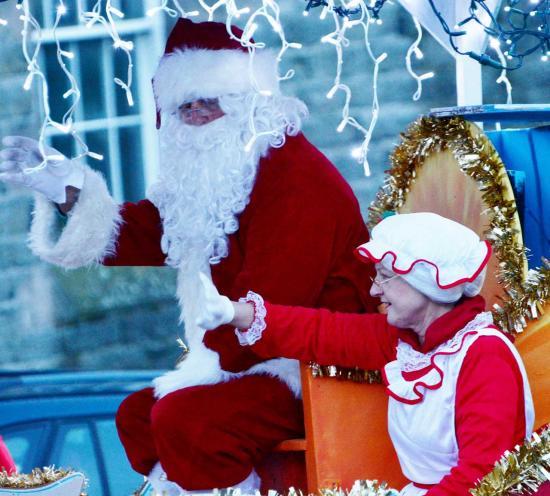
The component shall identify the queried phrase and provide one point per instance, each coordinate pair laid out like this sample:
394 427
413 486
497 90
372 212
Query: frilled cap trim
375 253
403 241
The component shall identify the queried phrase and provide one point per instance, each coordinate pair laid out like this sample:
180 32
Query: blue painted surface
67 419
528 151
497 113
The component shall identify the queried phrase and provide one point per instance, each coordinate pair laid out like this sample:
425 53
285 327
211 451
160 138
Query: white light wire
270 11
34 70
177 11
413 49
90 17
503 77
338 39
94 16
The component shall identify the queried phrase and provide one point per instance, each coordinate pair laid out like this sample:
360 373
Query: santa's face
200 112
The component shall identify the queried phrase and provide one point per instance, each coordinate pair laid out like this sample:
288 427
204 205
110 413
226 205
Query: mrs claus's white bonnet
439 257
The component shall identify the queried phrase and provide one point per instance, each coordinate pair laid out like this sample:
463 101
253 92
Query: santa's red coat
295 246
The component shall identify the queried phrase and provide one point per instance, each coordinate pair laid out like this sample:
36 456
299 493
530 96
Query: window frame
149 39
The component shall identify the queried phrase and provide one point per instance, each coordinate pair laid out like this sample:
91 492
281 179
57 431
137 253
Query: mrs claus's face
406 307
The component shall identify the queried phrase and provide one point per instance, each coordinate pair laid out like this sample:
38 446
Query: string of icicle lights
105 14
345 15
32 45
523 28
270 11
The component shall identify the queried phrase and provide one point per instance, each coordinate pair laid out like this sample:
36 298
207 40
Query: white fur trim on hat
91 230
185 75
437 256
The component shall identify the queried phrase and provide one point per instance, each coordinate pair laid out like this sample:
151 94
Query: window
120 476
25 444
124 135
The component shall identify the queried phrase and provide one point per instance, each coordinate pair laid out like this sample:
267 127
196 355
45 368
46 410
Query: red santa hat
437 256
201 60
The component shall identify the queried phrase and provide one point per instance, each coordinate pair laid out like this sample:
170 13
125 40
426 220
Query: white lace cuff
254 332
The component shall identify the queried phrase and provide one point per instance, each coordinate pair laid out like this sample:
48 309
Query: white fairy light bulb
116 12
28 81
3 22
245 10
96 156
428 75
248 146
249 32
61 9
332 92
356 152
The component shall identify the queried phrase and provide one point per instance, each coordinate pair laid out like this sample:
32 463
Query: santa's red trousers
209 436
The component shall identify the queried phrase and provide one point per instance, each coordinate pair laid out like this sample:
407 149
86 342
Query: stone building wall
128 317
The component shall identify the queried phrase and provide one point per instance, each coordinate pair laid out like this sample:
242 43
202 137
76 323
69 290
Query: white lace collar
410 359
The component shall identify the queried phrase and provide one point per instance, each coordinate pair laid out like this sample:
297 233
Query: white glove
216 310
22 153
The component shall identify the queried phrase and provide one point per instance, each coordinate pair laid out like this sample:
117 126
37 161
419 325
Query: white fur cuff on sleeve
91 230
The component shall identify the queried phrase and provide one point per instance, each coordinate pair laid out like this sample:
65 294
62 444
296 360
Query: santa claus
243 196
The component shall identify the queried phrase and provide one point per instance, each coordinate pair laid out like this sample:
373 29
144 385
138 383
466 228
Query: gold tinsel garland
349 374
478 159
362 488
37 478
521 471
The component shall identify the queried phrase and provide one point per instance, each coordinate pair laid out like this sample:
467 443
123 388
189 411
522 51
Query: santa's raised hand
216 309
20 155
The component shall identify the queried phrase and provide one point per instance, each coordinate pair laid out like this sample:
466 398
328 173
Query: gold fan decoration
525 293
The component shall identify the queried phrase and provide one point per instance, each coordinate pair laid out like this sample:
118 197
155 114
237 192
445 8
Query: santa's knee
135 412
178 419
196 445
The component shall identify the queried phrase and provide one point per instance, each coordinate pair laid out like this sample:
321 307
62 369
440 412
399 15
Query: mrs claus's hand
216 310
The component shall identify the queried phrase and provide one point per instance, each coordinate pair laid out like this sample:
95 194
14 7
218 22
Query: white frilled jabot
437 256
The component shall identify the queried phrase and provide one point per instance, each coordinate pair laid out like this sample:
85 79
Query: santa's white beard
205 182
